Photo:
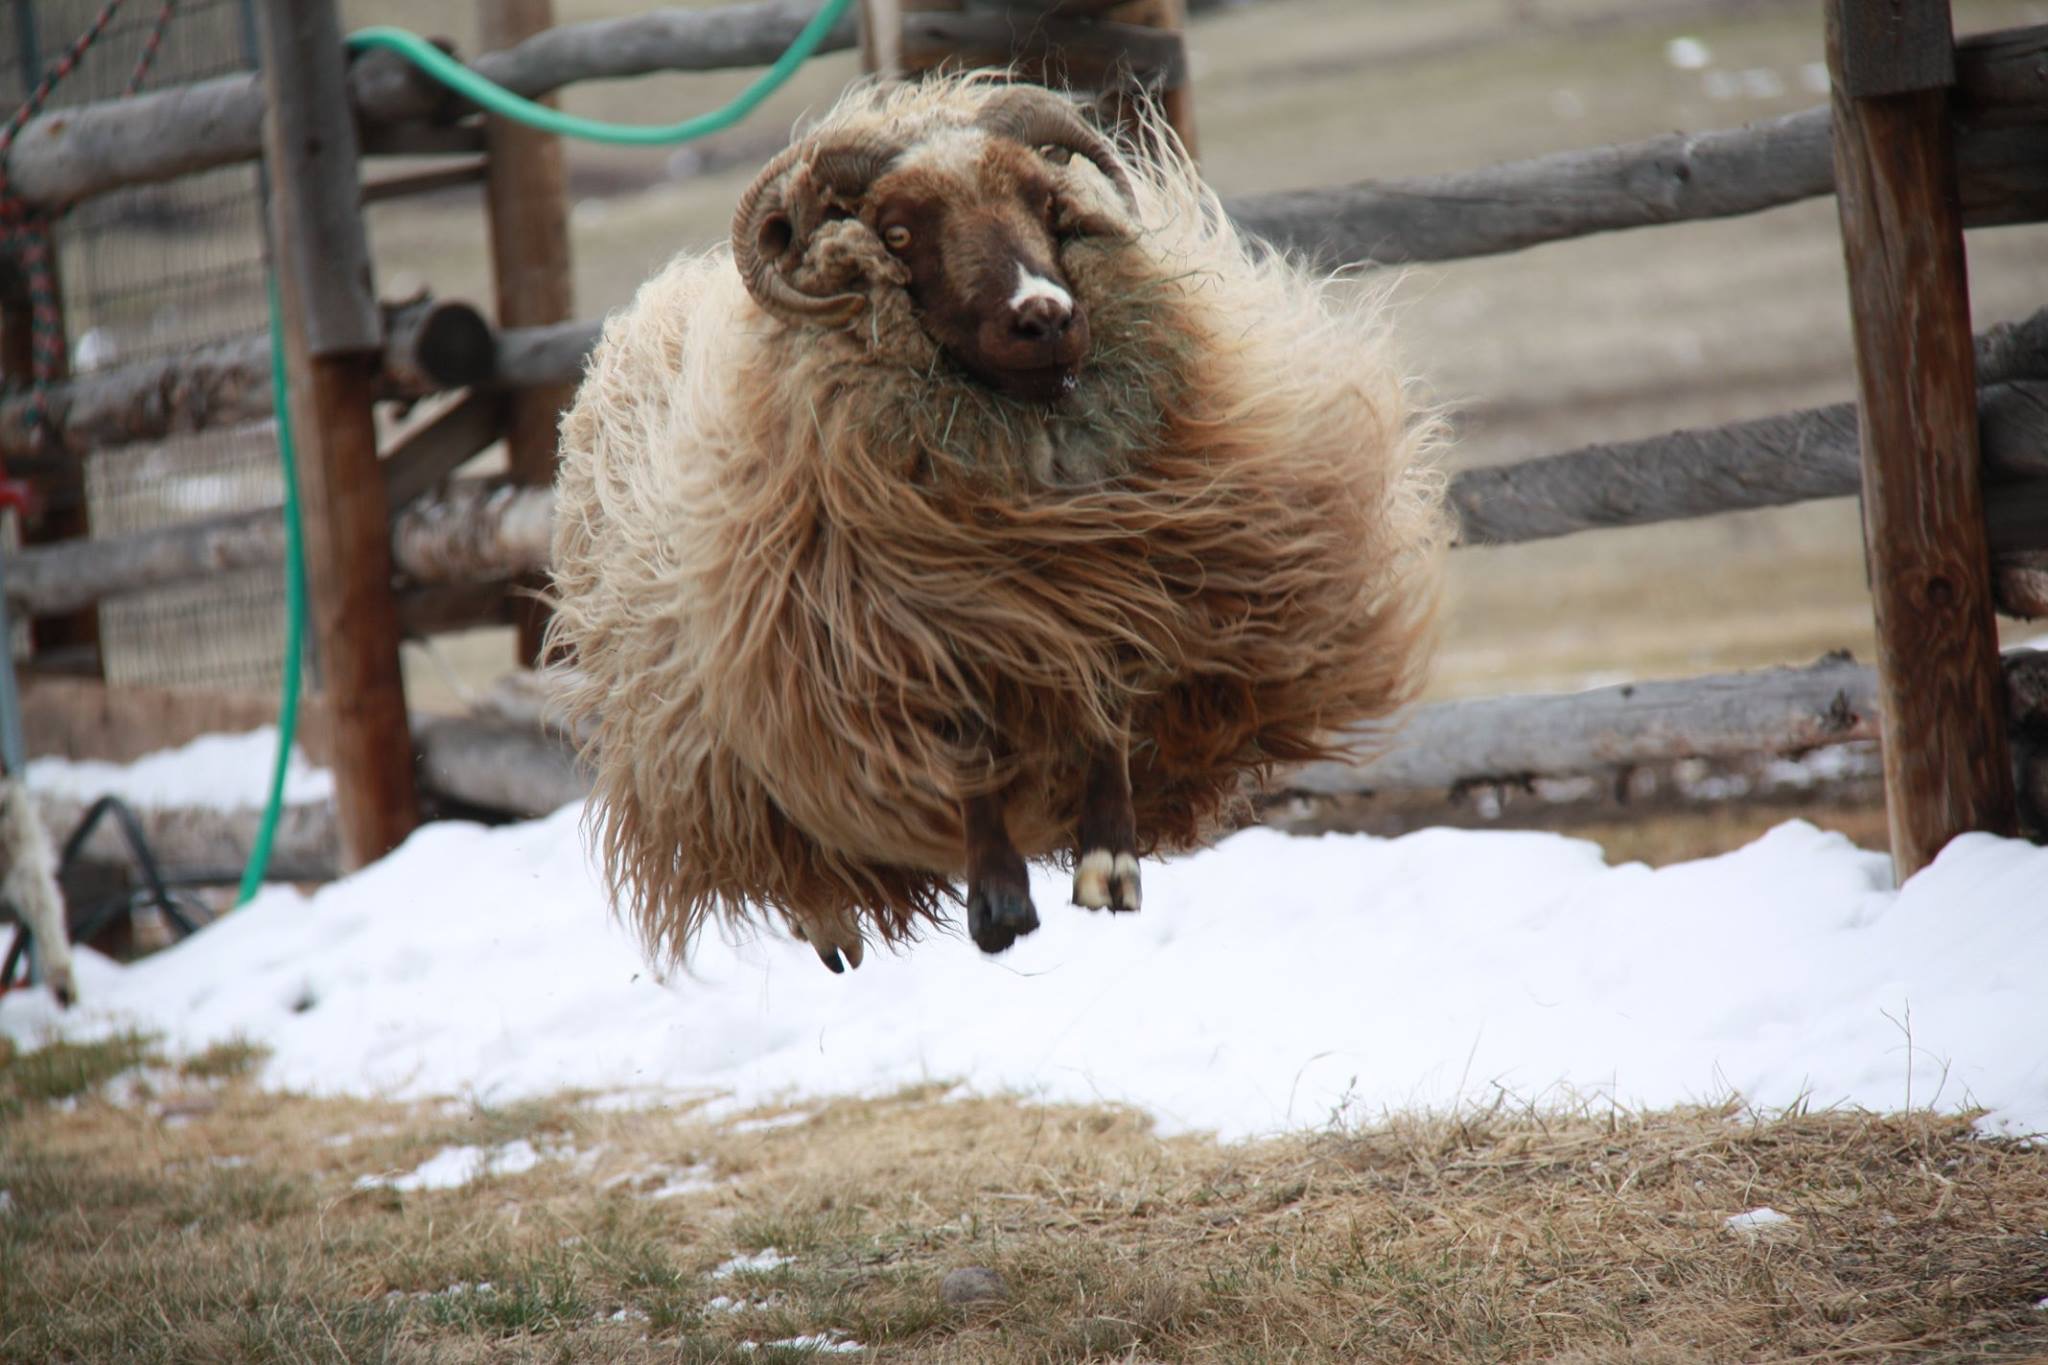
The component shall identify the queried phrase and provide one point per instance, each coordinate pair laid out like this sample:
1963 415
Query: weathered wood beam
72 153
1947 765
527 205
499 766
1766 462
430 345
532 357
1505 739
1678 177
475 532
1076 53
427 455
518 766
306 847
333 336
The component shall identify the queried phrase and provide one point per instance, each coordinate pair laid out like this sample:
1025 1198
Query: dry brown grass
212 1222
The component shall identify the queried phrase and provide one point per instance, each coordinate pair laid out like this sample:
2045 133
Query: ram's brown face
973 218
978 226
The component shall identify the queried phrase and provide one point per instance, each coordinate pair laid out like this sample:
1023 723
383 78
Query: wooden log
526 200
71 574
333 335
1678 177
1947 765
1441 748
2019 584
432 345
1767 462
426 456
1508 739
189 838
70 154
476 532
513 768
530 357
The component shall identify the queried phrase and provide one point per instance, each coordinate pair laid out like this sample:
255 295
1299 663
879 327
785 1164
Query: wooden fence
1948 443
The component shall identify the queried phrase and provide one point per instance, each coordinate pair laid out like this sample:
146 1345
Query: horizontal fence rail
87 150
1999 100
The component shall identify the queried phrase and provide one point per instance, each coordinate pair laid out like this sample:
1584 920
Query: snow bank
216 772
1271 982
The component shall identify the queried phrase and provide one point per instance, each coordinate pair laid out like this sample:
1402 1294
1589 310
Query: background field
1610 337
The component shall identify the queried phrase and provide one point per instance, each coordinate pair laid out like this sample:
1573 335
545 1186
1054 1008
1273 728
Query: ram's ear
806 186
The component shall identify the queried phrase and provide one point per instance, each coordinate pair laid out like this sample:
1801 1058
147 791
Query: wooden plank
526 200
1947 765
333 336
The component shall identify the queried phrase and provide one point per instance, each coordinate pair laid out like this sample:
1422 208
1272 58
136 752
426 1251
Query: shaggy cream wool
818 585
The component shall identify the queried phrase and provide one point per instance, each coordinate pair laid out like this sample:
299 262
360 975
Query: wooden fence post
1049 40
1946 760
334 338
526 196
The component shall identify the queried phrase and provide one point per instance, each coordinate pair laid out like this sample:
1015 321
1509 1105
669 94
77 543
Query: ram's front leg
999 909
1106 842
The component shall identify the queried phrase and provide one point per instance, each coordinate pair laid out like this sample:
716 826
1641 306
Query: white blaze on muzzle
1031 285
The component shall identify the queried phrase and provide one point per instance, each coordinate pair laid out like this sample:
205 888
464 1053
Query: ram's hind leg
1106 842
999 909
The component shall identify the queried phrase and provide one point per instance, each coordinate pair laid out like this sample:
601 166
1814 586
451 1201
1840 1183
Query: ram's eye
896 237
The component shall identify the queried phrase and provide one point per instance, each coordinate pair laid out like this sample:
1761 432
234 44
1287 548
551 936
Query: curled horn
772 226
1039 118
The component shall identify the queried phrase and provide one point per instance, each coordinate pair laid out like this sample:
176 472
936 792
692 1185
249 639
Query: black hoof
999 912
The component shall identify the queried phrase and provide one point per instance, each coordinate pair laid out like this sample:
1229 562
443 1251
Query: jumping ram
990 500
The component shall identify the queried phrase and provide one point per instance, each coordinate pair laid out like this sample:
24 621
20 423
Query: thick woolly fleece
819 585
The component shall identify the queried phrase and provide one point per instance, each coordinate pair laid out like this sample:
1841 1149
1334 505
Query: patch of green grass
60 1070
230 1059
547 1298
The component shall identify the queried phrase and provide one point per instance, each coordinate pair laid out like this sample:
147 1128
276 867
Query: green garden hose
495 99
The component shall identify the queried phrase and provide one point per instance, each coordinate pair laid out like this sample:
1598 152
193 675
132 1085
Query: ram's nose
1042 318
1041 310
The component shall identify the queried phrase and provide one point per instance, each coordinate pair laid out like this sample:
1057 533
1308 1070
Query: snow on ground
218 772
1270 983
